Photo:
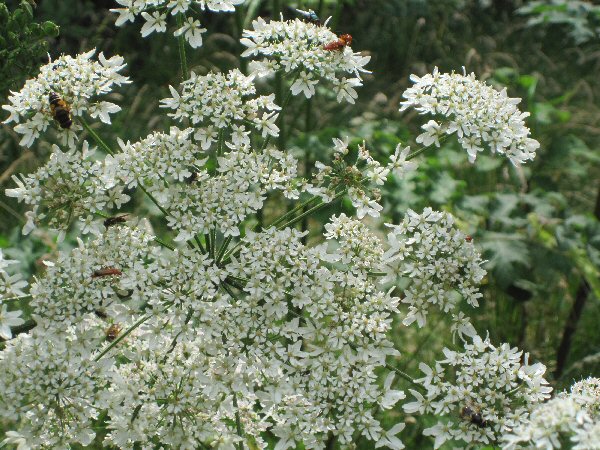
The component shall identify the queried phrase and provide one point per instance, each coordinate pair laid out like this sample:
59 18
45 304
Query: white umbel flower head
218 103
479 392
571 419
49 385
299 48
76 80
66 188
478 114
440 263
156 12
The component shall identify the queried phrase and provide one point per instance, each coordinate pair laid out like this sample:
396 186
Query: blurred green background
537 225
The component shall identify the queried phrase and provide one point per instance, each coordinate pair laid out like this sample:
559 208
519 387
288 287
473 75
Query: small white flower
192 32
9 319
154 22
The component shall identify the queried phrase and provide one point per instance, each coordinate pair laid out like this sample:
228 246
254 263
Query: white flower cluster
155 14
112 269
298 48
153 162
223 201
317 335
49 385
359 249
482 392
360 177
10 286
572 420
70 185
221 103
476 112
77 81
272 340
440 263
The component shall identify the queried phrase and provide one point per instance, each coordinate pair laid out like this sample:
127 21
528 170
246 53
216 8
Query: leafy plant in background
23 43
582 19
231 332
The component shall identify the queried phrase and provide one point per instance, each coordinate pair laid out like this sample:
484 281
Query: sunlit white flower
479 393
67 187
217 102
440 264
297 48
156 13
192 32
76 80
476 112
9 319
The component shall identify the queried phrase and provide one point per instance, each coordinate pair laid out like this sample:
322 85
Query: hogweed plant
228 336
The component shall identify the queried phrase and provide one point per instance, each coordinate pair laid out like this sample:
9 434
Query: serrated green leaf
507 256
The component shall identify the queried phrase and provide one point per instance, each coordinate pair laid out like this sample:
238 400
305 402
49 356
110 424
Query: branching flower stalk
233 333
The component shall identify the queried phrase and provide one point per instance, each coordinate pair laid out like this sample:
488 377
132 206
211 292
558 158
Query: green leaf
507 256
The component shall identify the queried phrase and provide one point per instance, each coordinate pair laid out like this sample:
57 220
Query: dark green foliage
23 44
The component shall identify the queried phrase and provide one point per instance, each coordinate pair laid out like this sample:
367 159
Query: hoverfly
112 332
60 110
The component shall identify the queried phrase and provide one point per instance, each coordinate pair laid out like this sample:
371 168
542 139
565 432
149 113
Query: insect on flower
474 416
469 238
115 220
342 41
106 272
60 110
112 332
308 16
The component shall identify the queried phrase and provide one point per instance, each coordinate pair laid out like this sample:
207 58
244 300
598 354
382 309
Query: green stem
310 211
209 246
199 243
151 197
96 138
238 422
293 211
9 299
223 248
422 149
181 46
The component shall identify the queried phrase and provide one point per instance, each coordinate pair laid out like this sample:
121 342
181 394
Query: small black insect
308 16
473 416
115 220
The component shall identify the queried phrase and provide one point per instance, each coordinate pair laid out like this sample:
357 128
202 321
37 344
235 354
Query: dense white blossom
569 418
49 385
76 80
69 186
478 393
440 264
273 339
359 177
297 47
223 103
156 13
10 286
75 286
476 112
